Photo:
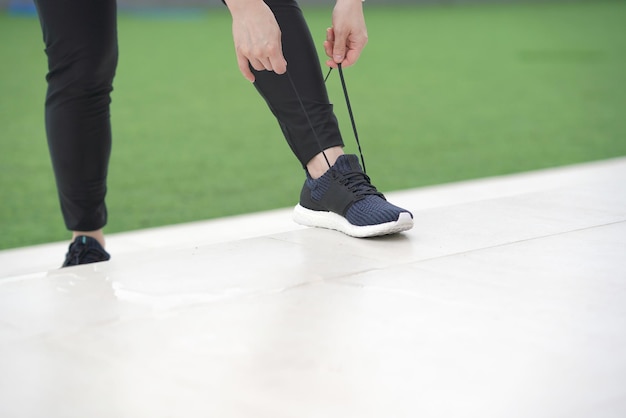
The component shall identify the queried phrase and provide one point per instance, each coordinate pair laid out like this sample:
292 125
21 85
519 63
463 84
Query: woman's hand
257 38
348 36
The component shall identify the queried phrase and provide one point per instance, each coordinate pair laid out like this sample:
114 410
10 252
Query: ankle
98 235
320 163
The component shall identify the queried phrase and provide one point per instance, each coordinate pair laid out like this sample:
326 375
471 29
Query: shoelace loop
358 183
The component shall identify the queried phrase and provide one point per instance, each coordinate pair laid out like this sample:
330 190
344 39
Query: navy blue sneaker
85 250
344 199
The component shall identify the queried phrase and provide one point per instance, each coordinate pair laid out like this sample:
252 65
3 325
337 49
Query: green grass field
441 94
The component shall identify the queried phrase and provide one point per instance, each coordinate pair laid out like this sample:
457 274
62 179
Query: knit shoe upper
345 200
85 250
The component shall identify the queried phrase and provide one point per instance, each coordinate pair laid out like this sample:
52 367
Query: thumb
339 47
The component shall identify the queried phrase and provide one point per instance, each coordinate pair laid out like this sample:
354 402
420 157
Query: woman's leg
304 71
81 45
339 197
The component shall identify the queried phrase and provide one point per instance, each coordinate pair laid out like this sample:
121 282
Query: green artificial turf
441 94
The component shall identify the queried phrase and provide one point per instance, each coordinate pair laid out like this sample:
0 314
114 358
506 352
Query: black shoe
344 199
85 250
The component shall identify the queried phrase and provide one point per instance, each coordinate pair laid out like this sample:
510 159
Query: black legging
81 44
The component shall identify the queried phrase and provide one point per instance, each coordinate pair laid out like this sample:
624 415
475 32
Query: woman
274 50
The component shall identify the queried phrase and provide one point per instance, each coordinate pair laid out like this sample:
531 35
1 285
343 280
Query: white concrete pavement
507 299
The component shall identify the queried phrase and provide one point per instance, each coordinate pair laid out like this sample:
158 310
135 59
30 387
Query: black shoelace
359 184
348 105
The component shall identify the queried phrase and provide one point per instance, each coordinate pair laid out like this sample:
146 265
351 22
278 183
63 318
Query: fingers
257 38
260 64
244 67
328 47
335 47
276 61
348 35
329 42
352 56
344 49
260 61
339 47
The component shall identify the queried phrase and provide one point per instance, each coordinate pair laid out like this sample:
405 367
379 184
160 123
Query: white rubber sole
330 220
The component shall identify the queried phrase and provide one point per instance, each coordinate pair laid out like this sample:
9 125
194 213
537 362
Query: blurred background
28 4
445 91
